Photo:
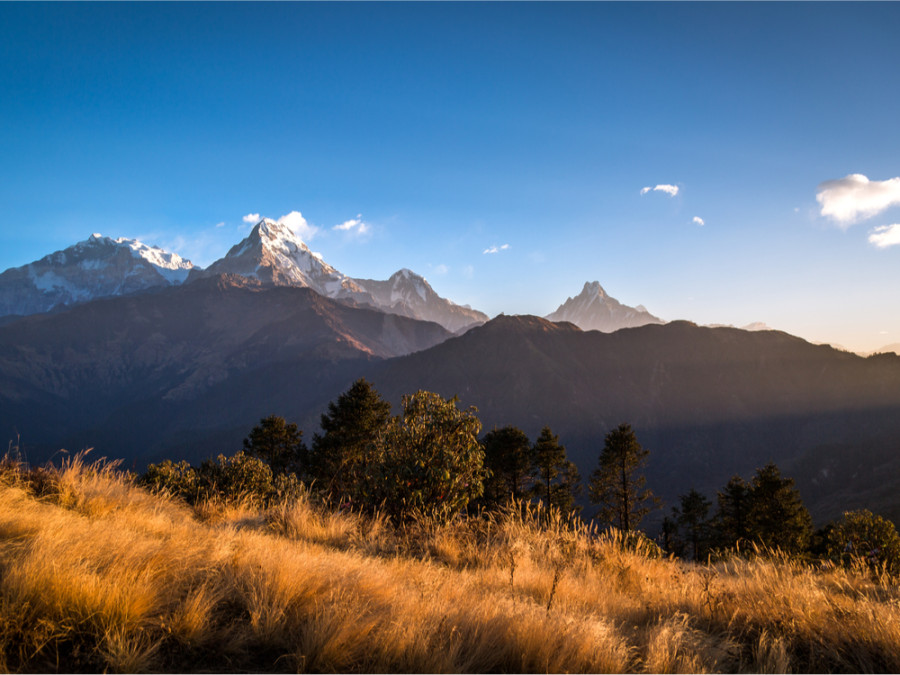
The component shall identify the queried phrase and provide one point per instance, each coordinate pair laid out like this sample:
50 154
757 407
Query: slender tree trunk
626 525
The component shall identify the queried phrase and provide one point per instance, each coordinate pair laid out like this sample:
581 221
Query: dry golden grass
99 575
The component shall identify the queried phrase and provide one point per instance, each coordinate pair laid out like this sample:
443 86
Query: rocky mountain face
95 268
594 309
408 294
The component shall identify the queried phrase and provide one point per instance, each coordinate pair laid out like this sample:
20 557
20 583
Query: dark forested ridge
184 372
707 402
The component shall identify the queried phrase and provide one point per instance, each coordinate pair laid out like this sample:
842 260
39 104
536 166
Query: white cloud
885 235
354 227
699 221
222 224
855 197
441 269
496 249
296 222
670 190
252 218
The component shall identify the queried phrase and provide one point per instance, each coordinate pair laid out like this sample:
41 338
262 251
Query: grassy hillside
97 574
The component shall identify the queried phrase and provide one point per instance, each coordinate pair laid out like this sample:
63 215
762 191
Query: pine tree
557 481
509 459
351 428
777 516
731 523
692 517
616 485
277 443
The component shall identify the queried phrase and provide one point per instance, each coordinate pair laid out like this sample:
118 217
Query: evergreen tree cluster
428 460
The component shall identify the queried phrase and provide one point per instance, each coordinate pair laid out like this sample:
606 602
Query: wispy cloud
496 249
296 222
252 218
222 224
355 227
670 190
853 198
885 236
441 269
699 221
468 271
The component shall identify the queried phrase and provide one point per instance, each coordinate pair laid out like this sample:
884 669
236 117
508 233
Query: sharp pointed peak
406 273
593 288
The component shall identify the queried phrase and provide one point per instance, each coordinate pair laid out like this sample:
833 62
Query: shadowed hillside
707 402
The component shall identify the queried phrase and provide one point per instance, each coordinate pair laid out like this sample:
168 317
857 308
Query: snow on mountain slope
594 309
408 294
275 255
95 268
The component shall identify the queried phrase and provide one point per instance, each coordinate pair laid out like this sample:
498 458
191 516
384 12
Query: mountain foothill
141 355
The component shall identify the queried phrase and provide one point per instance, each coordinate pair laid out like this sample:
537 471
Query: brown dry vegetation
97 574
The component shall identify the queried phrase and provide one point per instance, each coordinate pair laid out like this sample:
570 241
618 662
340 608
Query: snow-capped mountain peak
94 268
409 294
274 254
595 309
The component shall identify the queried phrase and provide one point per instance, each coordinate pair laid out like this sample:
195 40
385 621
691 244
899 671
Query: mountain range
144 356
271 254
275 256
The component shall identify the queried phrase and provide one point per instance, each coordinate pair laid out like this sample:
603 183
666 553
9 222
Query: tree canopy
428 461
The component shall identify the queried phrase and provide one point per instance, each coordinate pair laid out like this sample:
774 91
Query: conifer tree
351 428
278 443
777 516
731 523
617 486
557 481
509 461
692 516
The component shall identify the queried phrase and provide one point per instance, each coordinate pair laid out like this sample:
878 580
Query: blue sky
449 130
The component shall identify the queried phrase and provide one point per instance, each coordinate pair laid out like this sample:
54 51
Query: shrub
238 477
861 537
177 478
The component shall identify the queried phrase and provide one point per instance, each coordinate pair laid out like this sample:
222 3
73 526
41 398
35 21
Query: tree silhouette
277 443
777 516
617 486
693 517
732 520
509 459
557 481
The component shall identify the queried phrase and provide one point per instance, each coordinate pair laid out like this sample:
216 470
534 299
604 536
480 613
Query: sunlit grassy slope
96 574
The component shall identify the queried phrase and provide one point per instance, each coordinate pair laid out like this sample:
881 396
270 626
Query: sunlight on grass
98 574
